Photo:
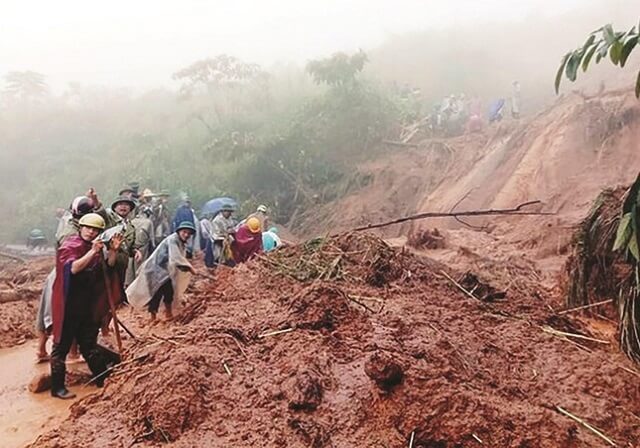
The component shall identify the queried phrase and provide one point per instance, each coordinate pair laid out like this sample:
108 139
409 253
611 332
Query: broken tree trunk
517 211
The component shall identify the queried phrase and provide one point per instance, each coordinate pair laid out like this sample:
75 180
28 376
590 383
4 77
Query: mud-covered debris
483 291
385 371
321 307
40 383
313 433
306 392
427 239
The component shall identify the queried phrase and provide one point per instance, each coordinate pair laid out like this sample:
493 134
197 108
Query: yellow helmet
92 220
254 225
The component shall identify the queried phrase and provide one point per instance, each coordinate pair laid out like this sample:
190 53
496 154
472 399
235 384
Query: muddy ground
20 288
382 350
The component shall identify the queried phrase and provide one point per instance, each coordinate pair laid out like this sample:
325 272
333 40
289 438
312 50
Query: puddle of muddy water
24 415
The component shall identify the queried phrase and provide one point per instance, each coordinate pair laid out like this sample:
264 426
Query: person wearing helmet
36 239
120 214
222 235
165 275
67 226
131 190
248 240
79 302
185 213
262 214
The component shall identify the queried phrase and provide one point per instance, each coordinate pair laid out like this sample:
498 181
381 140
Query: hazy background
141 43
107 109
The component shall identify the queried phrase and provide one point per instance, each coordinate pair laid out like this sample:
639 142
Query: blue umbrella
213 206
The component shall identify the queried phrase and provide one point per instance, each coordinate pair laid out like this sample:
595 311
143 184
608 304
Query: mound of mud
20 289
334 359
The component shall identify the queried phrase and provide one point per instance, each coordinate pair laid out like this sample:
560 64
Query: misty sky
141 43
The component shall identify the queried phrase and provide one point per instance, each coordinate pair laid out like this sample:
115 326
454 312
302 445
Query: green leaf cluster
627 235
604 41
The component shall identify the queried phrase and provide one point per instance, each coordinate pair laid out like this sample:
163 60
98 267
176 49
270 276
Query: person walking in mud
165 275
77 299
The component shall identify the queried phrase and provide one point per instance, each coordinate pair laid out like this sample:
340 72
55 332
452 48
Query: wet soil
261 359
23 414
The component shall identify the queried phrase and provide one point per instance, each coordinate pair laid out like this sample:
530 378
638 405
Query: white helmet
262 208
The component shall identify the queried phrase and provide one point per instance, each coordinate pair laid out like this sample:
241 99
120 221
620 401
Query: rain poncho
83 290
246 244
222 227
270 240
145 242
186 213
168 262
220 250
67 227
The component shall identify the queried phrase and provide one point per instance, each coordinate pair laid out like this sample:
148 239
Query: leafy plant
604 41
627 234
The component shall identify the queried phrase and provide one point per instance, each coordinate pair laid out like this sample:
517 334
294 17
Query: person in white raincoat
165 275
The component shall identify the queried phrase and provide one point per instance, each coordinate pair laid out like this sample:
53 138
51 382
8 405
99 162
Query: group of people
456 114
130 252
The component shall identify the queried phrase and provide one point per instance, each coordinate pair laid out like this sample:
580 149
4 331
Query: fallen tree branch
586 425
555 332
13 257
18 294
274 333
459 286
517 211
401 144
584 307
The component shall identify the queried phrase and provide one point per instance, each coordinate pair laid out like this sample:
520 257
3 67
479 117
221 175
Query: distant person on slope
165 275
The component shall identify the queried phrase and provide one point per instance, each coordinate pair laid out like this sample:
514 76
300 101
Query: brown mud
20 288
262 359
352 343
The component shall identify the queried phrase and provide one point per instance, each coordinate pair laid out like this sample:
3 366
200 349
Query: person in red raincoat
247 241
78 301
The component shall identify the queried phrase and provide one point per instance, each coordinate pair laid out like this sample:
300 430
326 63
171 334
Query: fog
141 43
96 101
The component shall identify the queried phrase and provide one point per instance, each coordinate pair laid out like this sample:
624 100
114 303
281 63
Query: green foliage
278 139
339 69
222 70
617 44
628 233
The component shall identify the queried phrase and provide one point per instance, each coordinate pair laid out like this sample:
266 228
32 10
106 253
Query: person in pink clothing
248 240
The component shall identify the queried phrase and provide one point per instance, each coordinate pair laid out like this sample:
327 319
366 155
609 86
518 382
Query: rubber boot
97 365
58 372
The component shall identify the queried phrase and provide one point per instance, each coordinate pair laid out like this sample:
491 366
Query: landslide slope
350 343
563 157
